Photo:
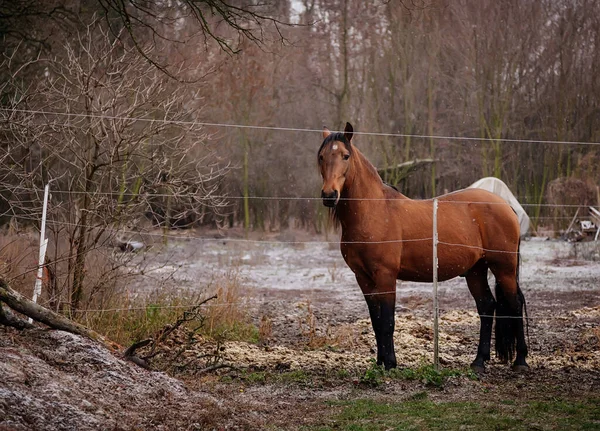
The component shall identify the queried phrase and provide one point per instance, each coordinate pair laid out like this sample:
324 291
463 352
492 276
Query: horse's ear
326 132
348 132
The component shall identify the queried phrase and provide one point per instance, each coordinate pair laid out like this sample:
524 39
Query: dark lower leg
382 312
486 305
521 347
485 308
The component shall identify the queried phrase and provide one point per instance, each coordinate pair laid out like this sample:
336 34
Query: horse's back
497 222
470 223
479 196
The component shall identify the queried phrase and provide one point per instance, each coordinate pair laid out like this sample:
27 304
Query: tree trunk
79 265
246 186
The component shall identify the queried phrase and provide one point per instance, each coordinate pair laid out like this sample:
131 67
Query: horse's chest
349 255
370 257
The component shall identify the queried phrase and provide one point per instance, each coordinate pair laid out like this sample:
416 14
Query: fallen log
19 303
7 318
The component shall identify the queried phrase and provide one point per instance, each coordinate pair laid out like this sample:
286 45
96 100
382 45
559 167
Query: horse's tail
509 317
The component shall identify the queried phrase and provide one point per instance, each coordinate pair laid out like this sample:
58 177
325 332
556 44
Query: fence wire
102 116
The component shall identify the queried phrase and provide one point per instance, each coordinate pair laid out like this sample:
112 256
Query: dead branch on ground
193 313
22 305
174 361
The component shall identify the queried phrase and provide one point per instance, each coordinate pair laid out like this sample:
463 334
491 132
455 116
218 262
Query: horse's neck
363 191
363 181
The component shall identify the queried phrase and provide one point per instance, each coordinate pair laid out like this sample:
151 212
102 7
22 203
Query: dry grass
319 336
228 316
126 320
346 336
265 330
18 260
308 327
109 308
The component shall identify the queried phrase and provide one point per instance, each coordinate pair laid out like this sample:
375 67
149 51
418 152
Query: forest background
131 109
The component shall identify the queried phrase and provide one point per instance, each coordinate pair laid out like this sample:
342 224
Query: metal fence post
436 359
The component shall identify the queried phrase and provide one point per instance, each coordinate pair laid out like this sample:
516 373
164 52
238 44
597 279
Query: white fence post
436 359
37 288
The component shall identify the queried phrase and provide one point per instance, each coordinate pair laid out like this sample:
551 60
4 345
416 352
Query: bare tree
115 137
492 70
41 24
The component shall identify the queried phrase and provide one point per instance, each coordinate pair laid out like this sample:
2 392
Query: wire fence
286 198
252 306
191 237
201 239
429 239
288 129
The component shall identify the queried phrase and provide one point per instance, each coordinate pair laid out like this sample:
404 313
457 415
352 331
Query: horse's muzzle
329 199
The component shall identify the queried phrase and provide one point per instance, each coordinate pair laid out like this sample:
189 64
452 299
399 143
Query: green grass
375 375
420 413
297 376
256 377
126 326
428 375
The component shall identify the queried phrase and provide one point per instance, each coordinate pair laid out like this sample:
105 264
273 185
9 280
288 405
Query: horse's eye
321 158
346 156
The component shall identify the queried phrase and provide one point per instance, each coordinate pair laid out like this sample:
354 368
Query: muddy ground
315 344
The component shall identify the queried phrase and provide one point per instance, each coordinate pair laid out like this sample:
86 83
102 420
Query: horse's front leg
380 295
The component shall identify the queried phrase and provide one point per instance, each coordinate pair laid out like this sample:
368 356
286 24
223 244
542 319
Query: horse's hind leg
510 331
478 286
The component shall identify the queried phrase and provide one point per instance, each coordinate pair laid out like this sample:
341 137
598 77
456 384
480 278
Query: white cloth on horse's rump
496 186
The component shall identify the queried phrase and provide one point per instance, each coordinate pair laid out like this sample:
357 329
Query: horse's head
334 161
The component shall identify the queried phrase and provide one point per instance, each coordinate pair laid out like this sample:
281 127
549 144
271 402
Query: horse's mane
367 165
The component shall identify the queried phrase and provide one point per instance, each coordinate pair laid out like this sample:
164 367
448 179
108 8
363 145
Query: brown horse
387 236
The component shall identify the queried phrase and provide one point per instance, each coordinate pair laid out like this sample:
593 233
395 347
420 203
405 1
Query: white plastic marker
37 288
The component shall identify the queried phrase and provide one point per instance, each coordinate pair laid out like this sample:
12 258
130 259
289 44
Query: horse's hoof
390 365
478 369
520 369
